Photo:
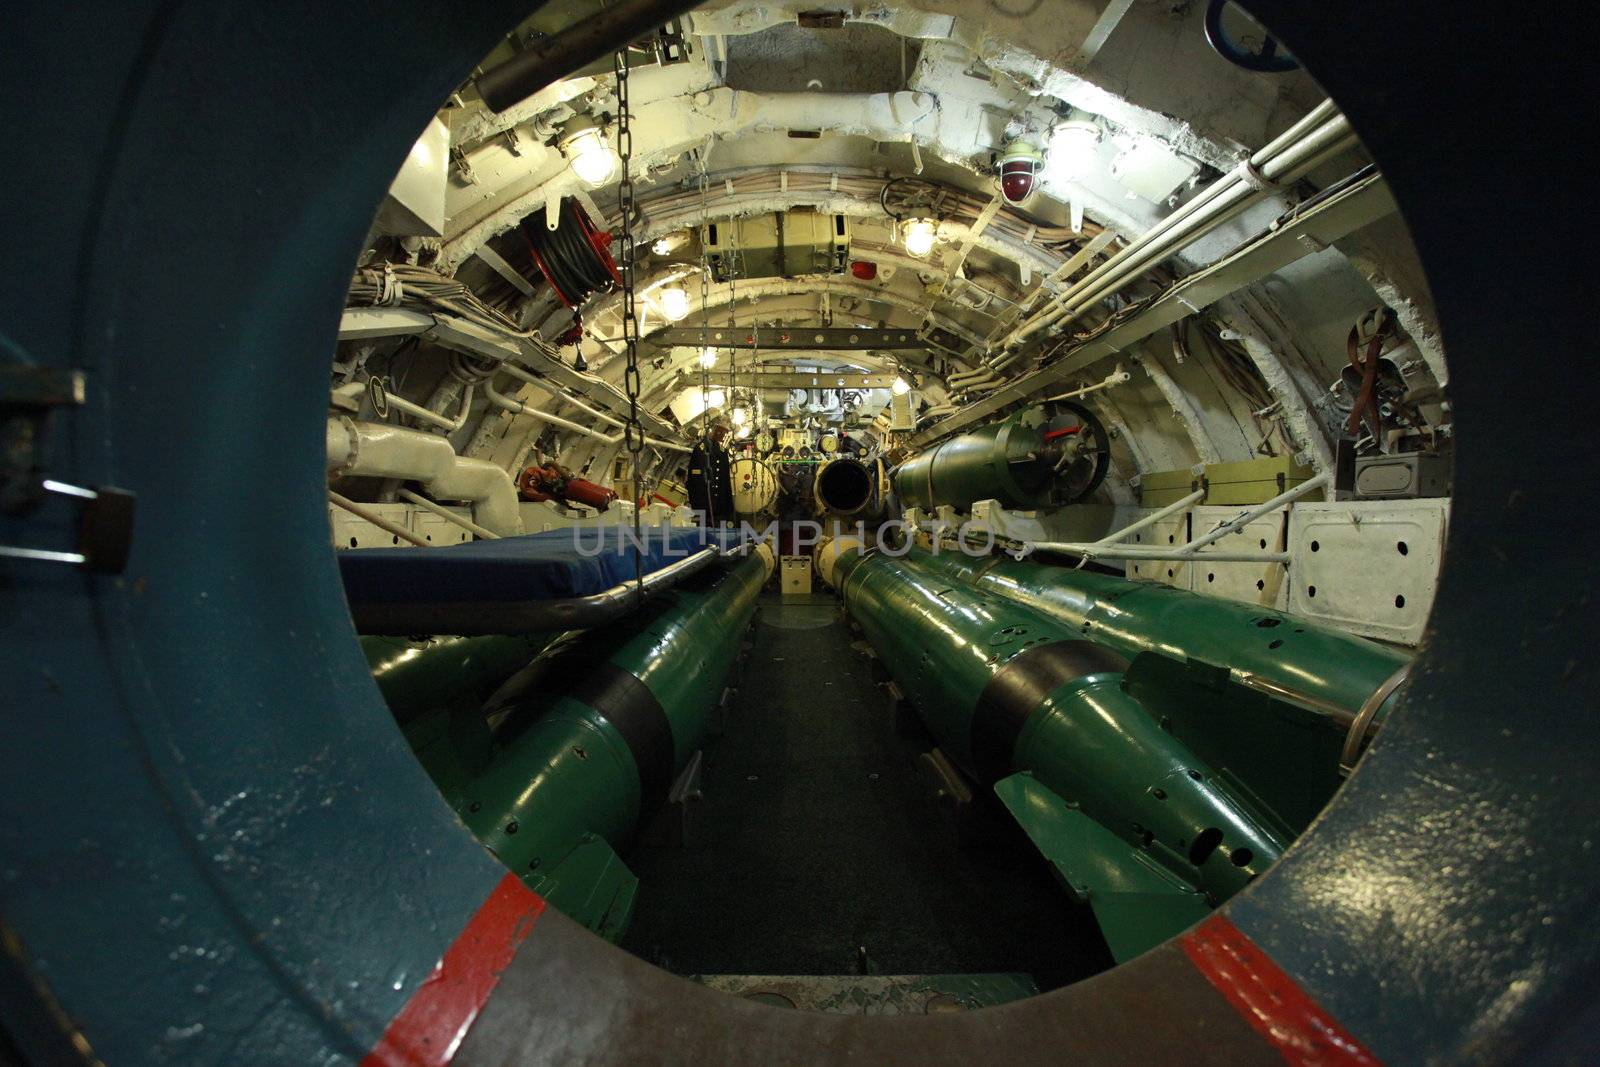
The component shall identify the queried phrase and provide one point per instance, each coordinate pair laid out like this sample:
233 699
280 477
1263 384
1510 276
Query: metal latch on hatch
29 396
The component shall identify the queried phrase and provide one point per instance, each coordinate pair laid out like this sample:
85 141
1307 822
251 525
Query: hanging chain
733 352
705 295
632 435
756 406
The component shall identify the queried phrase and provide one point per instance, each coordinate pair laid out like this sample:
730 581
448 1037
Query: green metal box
1250 481
780 245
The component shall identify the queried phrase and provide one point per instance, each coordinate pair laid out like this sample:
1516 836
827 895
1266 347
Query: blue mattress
555 565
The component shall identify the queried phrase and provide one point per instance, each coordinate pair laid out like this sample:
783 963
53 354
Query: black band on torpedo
630 706
1018 688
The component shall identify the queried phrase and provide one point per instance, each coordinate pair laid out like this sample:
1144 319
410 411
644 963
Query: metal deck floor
816 838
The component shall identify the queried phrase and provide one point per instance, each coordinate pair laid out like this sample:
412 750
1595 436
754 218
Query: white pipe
523 376
609 420
1316 137
518 407
445 513
1237 196
1116 377
418 411
1191 550
376 519
1152 552
1151 519
376 450
1234 525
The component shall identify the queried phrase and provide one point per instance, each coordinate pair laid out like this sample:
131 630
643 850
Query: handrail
377 520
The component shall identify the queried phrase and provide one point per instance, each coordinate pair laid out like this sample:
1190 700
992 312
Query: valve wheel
1083 467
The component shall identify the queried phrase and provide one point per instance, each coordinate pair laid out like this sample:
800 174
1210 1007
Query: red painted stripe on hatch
1269 999
430 1028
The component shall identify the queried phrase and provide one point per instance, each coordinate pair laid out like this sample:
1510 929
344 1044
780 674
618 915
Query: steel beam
804 338
1311 231
504 269
794 380
364 324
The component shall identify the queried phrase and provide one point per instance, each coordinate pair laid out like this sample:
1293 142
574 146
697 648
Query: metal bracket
670 44
28 396
105 530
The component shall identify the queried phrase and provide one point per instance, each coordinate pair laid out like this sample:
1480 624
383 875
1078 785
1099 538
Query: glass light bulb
1071 150
591 158
900 387
674 303
740 416
919 236
708 358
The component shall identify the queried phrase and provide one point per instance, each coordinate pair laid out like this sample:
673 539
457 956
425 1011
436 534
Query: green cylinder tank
1318 666
1271 696
436 687
1054 454
417 676
591 737
1124 810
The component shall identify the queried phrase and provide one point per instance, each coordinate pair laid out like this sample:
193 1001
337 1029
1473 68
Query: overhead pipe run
518 407
375 450
426 415
548 61
1322 134
1292 237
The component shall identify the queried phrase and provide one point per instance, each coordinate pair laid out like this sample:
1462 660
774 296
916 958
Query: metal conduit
1286 158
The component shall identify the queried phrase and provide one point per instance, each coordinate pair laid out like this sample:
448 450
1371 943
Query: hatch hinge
29 396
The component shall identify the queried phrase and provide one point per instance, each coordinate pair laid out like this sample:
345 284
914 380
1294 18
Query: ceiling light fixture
588 153
919 236
708 358
1072 149
1019 165
900 387
673 302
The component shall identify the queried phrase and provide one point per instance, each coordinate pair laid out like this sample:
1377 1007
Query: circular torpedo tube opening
1069 653
844 486
1045 744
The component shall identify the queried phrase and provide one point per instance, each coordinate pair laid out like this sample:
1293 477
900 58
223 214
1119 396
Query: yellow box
1250 481
796 575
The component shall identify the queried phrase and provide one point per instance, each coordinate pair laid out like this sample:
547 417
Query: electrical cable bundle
830 183
574 257
403 285
400 285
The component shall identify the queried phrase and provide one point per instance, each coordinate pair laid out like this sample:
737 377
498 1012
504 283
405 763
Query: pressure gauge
764 442
829 443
